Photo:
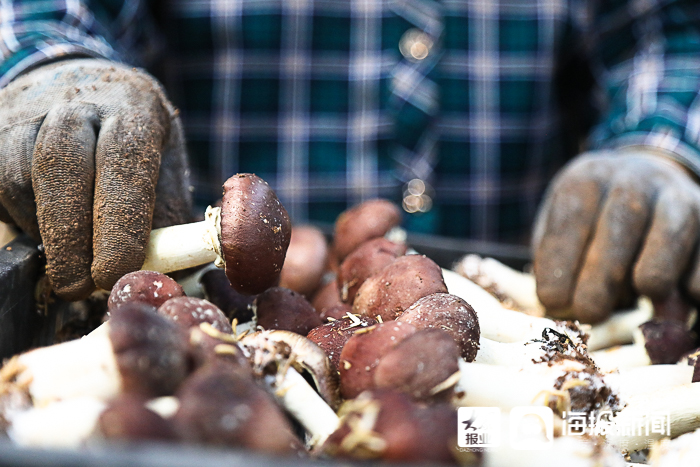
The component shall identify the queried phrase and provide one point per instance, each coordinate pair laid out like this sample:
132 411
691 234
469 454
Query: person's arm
91 151
629 211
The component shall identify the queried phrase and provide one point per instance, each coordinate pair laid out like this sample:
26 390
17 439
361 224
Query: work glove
91 156
615 221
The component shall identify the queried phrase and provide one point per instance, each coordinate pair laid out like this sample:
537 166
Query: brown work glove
81 146
609 220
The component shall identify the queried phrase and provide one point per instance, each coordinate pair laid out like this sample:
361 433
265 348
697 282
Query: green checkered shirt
335 101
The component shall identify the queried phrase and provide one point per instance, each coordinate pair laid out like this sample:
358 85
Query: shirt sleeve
648 63
33 32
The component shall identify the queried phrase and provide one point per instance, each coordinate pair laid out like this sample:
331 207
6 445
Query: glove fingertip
78 289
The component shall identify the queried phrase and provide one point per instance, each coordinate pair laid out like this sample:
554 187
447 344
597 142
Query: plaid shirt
336 101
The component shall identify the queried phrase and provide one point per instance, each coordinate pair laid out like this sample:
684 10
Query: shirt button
415 44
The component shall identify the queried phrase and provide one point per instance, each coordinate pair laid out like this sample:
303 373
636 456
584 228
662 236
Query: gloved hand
91 154
609 220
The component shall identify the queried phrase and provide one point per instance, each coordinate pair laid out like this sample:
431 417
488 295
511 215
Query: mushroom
362 353
306 259
336 312
248 236
127 418
387 425
136 351
568 385
569 451
191 311
679 405
149 287
331 337
515 289
370 219
498 323
679 452
277 358
218 290
449 313
658 342
222 407
326 297
423 365
397 286
366 260
285 310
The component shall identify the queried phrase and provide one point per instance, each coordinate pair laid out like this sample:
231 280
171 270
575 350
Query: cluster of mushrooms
358 350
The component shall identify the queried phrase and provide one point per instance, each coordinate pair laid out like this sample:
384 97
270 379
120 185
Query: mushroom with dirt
248 236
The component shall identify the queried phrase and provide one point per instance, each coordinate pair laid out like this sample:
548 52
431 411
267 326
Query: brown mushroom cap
191 311
151 351
306 260
280 308
397 286
149 287
336 312
218 291
371 219
365 261
222 407
420 365
208 343
666 341
126 418
387 425
255 233
362 353
331 337
326 297
449 313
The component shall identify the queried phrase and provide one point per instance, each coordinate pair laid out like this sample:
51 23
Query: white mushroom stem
61 424
84 367
496 322
508 387
676 407
635 381
620 327
185 246
621 357
505 282
508 353
521 289
683 451
305 405
562 452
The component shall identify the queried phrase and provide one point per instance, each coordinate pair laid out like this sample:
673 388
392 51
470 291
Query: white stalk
517 354
185 246
683 451
84 367
520 287
507 386
634 381
621 357
681 405
505 282
61 424
306 406
620 328
562 452
495 321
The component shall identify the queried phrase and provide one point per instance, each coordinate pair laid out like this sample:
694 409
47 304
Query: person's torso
337 101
